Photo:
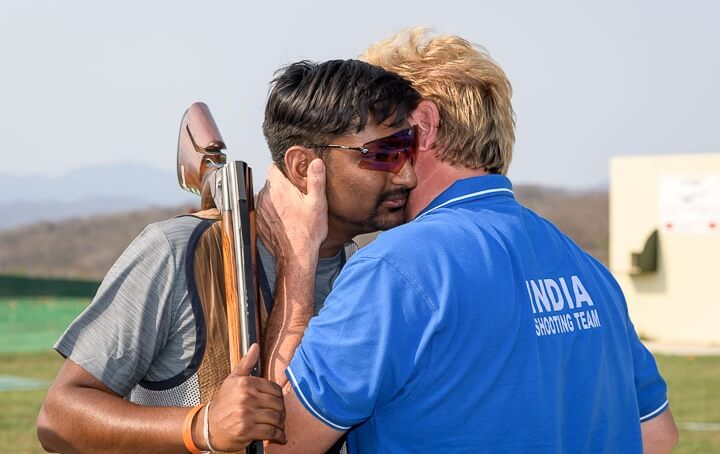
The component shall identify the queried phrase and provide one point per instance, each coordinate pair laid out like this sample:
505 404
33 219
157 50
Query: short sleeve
649 385
364 346
125 326
650 388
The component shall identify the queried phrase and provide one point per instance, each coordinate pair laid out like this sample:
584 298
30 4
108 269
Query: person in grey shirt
132 357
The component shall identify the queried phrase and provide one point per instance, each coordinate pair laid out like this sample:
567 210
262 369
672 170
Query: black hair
310 103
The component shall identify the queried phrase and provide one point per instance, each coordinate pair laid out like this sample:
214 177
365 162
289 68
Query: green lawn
32 325
694 393
20 408
28 329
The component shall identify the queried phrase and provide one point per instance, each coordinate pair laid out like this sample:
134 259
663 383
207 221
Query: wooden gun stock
200 152
203 169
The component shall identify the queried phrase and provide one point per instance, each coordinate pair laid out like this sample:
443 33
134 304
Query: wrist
197 430
206 429
192 430
302 262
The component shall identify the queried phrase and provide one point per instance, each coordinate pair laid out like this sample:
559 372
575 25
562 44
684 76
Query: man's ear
426 117
297 160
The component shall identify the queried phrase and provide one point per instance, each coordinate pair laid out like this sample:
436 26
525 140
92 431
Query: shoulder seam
158 231
175 268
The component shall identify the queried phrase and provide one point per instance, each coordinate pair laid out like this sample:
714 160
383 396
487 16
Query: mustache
399 192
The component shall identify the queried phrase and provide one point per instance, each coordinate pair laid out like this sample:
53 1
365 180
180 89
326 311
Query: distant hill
128 179
16 214
84 192
582 215
75 248
87 247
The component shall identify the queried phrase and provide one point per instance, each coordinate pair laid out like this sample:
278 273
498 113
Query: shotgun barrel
203 169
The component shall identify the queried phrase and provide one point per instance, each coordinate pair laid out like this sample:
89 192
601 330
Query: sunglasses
386 154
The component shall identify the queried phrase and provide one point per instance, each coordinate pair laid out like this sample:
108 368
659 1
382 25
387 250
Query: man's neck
331 246
434 177
338 235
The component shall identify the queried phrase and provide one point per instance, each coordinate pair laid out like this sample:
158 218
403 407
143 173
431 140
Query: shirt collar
470 189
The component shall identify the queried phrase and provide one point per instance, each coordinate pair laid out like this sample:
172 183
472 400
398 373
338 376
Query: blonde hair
471 91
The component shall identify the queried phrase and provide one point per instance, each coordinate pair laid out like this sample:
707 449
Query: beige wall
681 301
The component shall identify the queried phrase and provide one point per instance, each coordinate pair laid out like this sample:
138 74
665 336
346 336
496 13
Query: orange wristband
187 429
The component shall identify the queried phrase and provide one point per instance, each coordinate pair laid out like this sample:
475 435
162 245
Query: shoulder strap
211 215
264 283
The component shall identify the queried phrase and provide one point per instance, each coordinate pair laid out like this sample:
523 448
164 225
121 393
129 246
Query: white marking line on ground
10 383
700 426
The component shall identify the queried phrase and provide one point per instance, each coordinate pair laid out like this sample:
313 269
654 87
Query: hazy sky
92 82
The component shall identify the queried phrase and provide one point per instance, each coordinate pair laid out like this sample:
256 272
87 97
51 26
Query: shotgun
203 169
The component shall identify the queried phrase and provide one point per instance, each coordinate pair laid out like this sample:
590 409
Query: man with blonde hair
477 326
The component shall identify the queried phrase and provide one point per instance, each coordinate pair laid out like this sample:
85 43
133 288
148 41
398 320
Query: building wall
678 195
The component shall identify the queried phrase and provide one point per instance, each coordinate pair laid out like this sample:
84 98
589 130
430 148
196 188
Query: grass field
694 394
28 329
34 324
20 408
694 382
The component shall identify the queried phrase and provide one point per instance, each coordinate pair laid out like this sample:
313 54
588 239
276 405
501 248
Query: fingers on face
317 175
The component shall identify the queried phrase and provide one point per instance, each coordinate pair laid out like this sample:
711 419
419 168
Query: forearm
660 434
293 223
292 310
80 419
305 432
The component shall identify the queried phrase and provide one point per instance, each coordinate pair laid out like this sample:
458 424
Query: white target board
690 204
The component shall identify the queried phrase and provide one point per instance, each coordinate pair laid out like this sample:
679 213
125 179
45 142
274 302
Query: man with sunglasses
135 359
355 117
475 327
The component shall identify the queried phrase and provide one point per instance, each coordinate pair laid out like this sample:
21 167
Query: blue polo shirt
477 327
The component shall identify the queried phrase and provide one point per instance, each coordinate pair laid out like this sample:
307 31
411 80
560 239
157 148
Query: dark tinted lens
389 154
386 162
400 141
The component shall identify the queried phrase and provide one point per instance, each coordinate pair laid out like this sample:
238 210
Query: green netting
30 286
34 324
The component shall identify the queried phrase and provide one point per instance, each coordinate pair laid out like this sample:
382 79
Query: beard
380 218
